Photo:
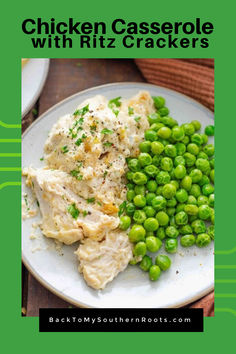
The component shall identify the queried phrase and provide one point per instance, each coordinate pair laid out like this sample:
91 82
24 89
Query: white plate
192 272
33 76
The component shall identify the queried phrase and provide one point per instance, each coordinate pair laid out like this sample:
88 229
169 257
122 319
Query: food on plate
125 180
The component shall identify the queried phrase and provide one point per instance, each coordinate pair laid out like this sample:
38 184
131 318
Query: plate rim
42 281
40 88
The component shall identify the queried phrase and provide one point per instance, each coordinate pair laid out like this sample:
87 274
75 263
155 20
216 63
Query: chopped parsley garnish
75 173
90 200
130 111
137 119
42 158
93 128
106 131
80 140
105 173
37 202
64 149
107 143
82 111
99 203
85 212
74 212
122 208
115 102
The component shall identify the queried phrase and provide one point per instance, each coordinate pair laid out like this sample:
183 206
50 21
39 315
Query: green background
23 332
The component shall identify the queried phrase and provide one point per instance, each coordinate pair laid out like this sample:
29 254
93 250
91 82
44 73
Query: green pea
180 148
186 183
164 132
177 133
171 202
170 150
212 175
163 261
202 155
187 240
130 209
186 230
145 159
149 197
172 232
139 216
163 111
209 150
211 232
198 226
213 218
154 272
209 130
139 178
189 128
161 233
156 160
202 200
163 177
195 174
207 189
169 191
197 124
157 147
175 183
180 171
146 263
159 101
185 140
139 190
164 141
204 212
151 170
134 165
203 240
139 201
169 121
181 218
130 195
151 224
162 218
171 211
181 195
125 222
156 126
137 233
193 149
159 190
171 245
212 163
130 186
129 175
154 118
211 200
145 146
172 221
204 138
192 200
180 207
179 160
140 249
195 190
191 209
202 164
189 159
153 243
166 164
150 135
149 211
151 186
204 180
197 139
